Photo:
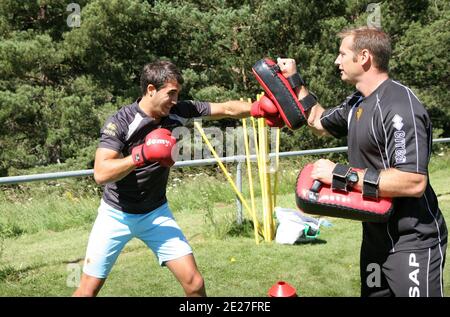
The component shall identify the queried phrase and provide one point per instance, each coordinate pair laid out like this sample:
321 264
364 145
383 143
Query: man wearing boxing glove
157 147
133 160
265 108
389 137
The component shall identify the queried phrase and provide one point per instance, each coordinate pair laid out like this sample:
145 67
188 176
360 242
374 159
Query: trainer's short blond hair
377 42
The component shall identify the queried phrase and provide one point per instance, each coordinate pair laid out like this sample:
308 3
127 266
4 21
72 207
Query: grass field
44 234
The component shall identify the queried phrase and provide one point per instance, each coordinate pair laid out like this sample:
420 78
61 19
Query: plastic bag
296 226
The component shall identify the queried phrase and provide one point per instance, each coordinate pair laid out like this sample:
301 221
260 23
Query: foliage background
58 84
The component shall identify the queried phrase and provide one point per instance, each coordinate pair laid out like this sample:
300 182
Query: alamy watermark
73 274
374 18
74 19
226 142
373 279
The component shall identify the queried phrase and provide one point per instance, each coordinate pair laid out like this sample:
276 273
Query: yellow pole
265 179
250 180
270 223
258 161
277 165
275 178
227 175
268 183
261 171
255 140
261 177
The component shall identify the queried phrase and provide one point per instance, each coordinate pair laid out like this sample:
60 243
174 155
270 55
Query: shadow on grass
310 241
8 230
241 230
75 261
8 272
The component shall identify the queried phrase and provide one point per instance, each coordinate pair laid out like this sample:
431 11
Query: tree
59 83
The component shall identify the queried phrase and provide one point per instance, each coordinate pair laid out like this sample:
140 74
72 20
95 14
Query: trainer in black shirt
388 131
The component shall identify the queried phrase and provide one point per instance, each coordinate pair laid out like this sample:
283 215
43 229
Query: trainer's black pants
414 273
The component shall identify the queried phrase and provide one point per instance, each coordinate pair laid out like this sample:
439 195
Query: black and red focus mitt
281 92
313 197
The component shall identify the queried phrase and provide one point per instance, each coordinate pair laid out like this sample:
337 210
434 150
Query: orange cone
282 289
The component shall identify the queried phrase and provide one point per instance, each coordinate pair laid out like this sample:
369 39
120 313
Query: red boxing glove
157 147
265 108
275 122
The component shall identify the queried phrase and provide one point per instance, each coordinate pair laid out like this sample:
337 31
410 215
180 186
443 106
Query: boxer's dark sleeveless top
144 189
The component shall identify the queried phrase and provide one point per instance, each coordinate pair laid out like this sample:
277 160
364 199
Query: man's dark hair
375 41
158 74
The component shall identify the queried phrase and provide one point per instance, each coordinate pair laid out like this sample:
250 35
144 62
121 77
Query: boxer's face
164 99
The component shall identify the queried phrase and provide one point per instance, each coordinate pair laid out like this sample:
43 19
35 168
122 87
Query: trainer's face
165 98
347 61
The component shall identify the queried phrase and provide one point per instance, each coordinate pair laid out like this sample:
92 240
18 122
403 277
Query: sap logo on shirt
399 138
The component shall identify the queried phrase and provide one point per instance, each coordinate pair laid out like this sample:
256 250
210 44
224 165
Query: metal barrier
190 163
239 159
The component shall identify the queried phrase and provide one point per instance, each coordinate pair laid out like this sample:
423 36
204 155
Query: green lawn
41 257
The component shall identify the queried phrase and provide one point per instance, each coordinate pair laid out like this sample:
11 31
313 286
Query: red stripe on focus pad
278 89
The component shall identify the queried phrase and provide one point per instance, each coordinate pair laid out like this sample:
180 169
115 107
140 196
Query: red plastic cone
282 289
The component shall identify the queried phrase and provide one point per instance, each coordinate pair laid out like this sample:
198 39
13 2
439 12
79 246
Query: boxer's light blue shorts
113 229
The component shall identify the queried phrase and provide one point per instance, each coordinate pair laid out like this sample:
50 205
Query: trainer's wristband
370 183
309 101
296 81
339 181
